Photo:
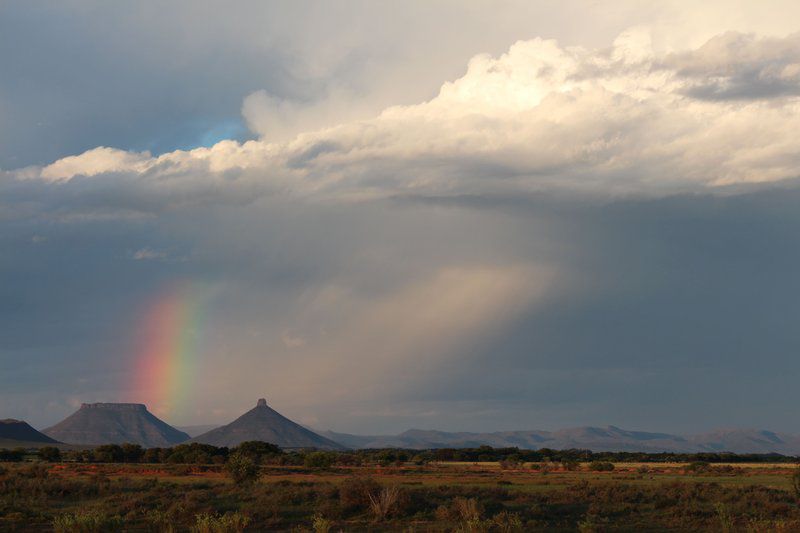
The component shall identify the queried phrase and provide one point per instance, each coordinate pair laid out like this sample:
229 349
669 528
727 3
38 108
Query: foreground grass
435 497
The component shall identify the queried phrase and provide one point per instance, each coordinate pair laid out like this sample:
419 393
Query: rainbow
169 343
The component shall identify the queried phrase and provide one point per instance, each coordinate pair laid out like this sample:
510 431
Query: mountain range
105 423
610 438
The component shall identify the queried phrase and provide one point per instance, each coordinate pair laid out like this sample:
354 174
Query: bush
321 524
796 483
86 522
108 453
318 460
511 462
152 455
132 453
570 464
354 492
601 466
698 467
469 511
194 453
227 523
384 502
506 522
35 471
51 454
258 450
12 456
242 469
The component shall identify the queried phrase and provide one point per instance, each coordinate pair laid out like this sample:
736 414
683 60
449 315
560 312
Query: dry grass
465 496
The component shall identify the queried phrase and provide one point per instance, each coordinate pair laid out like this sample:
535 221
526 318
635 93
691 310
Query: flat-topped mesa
114 406
261 402
115 423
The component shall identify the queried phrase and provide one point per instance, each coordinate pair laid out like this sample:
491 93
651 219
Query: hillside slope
265 424
115 423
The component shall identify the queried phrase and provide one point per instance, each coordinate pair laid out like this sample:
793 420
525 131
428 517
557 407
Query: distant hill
12 430
748 441
610 438
115 423
265 424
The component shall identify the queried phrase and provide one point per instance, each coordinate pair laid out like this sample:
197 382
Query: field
437 496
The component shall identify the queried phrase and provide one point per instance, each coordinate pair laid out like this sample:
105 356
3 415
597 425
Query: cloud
512 250
99 160
623 119
148 254
292 341
735 66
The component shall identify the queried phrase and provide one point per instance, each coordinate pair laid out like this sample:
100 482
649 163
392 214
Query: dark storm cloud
736 66
684 313
665 303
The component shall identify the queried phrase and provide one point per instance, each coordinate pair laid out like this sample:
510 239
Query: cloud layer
622 119
560 235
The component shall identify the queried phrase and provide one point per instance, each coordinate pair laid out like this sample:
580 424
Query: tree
132 453
51 454
318 460
258 450
108 453
242 469
152 455
12 456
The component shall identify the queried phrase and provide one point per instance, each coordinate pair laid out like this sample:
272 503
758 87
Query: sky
460 215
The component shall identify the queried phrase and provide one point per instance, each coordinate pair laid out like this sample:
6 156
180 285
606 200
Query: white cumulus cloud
621 119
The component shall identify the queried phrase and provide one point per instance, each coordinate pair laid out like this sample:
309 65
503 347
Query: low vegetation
256 487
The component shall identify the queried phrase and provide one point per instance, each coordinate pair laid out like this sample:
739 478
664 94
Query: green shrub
242 469
318 460
51 454
160 521
108 453
506 522
258 450
86 522
469 511
213 523
570 464
12 456
796 483
726 520
511 462
384 502
320 524
132 453
601 466
354 492
698 467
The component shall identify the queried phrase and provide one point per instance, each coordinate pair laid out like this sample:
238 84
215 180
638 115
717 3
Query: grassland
484 496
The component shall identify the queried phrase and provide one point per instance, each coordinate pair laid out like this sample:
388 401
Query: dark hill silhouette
115 423
19 430
265 424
